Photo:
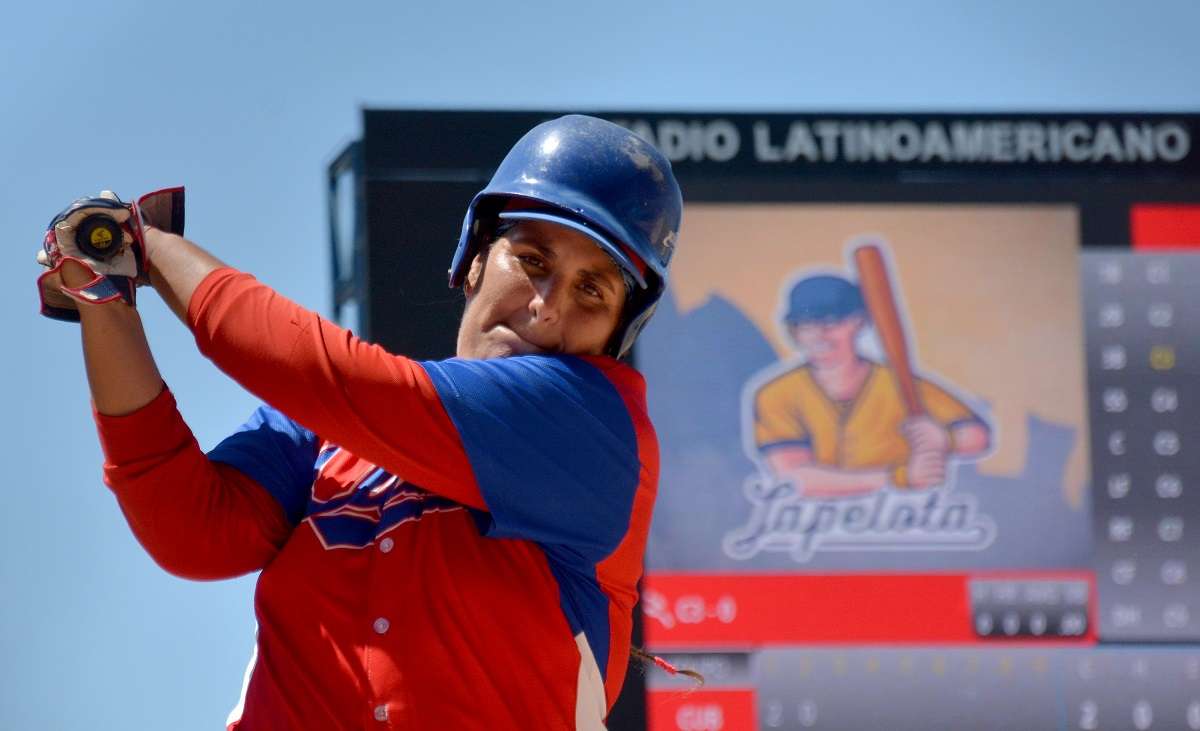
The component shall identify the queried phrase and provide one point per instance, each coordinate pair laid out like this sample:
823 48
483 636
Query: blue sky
246 103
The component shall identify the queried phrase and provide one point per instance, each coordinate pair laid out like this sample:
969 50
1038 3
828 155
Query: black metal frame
349 286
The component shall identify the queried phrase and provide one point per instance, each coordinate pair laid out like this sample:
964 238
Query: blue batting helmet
600 179
823 298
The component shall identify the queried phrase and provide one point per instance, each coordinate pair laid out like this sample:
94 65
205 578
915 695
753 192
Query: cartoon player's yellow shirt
863 433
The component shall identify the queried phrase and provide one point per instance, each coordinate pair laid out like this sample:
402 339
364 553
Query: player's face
829 343
540 288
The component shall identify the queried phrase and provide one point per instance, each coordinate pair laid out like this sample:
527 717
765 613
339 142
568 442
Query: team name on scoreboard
965 141
782 520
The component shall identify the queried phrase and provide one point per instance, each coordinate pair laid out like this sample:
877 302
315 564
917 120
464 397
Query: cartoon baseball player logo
851 443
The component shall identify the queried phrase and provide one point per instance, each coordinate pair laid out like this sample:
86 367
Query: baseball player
443 545
836 425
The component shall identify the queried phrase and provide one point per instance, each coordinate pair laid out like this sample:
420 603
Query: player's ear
475 273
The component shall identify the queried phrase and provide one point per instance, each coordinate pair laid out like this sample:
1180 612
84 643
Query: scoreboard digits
1143 354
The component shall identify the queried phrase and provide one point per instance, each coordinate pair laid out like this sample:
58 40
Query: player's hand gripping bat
104 236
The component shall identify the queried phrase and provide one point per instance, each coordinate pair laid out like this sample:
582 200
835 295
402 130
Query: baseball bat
876 287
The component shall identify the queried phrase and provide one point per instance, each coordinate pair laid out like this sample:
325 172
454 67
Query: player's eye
533 261
592 291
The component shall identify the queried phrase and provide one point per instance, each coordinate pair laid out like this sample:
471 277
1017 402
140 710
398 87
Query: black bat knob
99 236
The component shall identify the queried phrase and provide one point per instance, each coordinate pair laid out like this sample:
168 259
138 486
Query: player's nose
546 303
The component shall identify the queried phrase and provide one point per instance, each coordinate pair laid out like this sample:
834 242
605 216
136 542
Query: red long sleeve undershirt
196 518
206 520
378 406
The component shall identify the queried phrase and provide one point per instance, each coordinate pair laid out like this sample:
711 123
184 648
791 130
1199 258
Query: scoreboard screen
926 389
1050 550
1038 571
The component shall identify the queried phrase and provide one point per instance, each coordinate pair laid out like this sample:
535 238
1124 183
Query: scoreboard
810 554
1142 374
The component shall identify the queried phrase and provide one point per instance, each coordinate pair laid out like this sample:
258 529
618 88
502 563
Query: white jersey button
386 545
381 625
380 713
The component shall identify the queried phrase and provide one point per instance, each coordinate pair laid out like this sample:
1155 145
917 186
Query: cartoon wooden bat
876 287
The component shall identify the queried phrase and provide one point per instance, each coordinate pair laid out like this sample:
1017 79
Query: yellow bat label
101 238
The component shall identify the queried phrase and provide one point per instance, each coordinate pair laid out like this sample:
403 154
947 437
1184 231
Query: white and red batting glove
117 266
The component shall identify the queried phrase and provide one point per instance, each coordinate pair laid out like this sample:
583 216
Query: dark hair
646 657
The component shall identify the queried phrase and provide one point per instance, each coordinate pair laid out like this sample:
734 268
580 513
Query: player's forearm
196 518
177 266
824 482
837 483
120 369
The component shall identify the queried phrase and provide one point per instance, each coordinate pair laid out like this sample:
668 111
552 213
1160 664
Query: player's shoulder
927 387
787 379
545 378
623 376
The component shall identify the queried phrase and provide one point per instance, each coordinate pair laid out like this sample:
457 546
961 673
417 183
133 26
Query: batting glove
106 236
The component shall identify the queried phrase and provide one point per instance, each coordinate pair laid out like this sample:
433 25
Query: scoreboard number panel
1144 513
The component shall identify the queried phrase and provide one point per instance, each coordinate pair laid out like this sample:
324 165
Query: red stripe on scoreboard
1164 227
709 611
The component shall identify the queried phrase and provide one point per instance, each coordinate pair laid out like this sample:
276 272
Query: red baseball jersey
443 545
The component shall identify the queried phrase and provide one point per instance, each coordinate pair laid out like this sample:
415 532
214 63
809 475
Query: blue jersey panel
275 452
583 603
552 447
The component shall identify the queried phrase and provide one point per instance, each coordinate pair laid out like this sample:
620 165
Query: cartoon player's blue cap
823 298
